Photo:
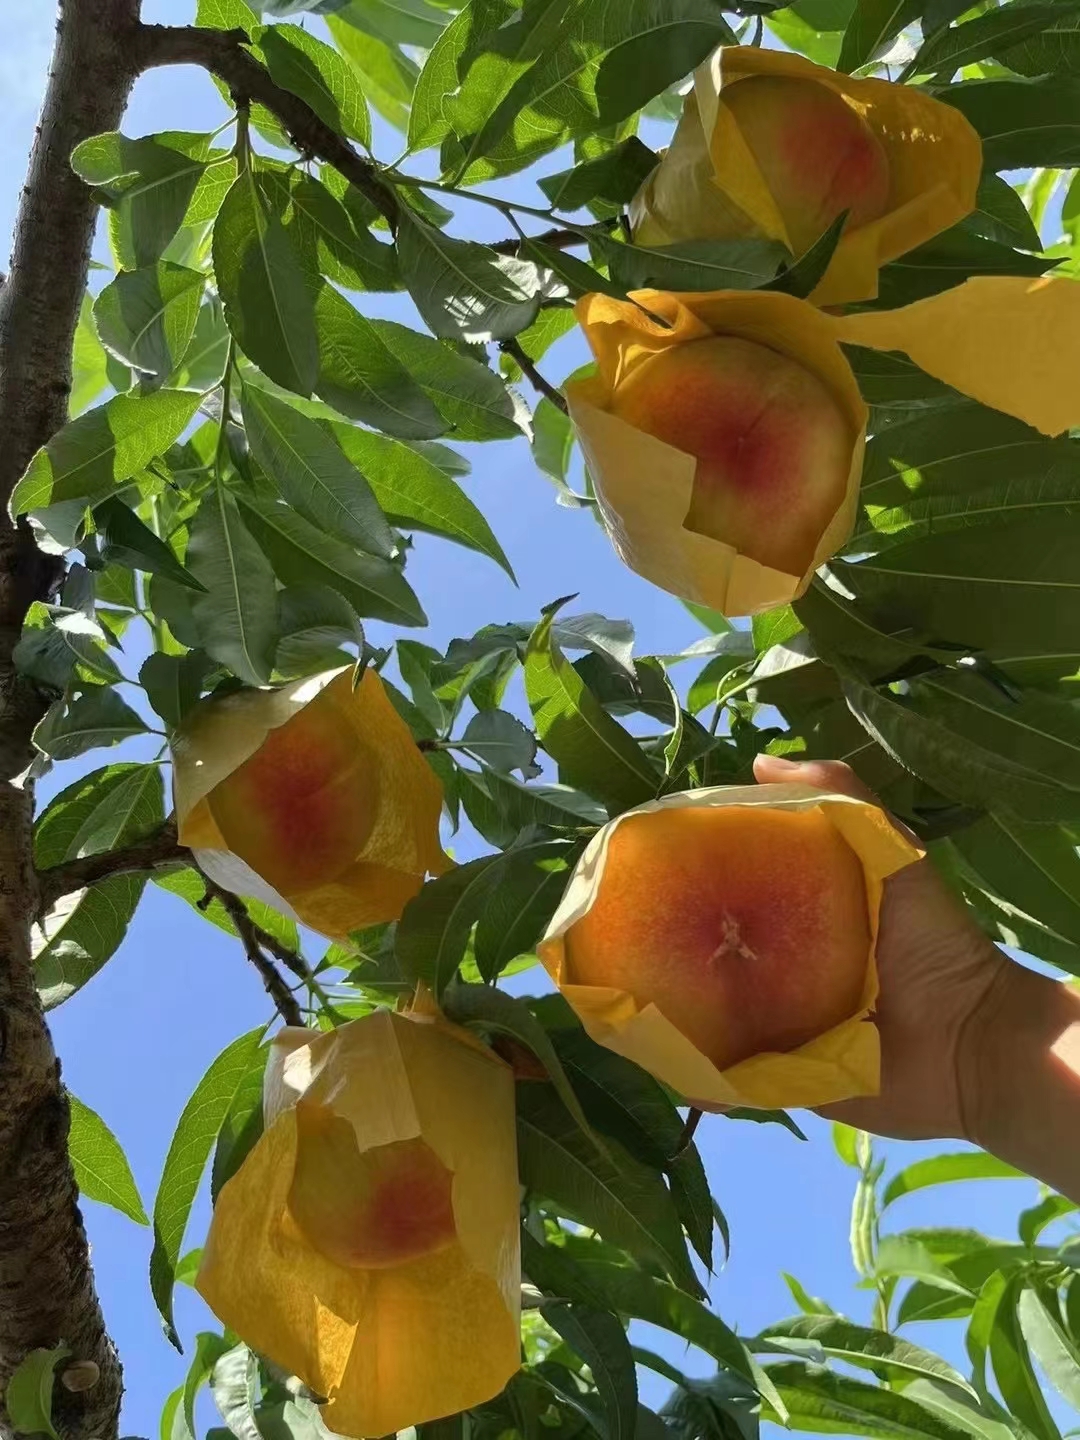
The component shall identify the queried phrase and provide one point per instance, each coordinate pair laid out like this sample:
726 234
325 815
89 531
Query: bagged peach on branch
774 146
723 939
369 1242
724 431
312 796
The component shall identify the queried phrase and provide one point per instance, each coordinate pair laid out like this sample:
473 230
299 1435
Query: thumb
831 775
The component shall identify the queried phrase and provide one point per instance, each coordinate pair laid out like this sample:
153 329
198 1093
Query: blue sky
135 1042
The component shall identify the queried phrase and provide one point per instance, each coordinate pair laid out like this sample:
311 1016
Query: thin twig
545 387
558 239
153 852
254 938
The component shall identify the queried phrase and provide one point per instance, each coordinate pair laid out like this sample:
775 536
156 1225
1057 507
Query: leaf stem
529 369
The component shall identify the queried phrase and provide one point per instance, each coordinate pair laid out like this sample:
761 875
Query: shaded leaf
236 617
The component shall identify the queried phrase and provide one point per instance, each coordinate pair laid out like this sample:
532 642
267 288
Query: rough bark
46 1287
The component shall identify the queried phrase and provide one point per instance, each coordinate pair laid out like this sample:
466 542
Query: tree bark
46 1287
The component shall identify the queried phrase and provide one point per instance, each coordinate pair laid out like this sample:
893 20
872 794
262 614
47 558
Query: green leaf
189 1151
471 398
313 474
693 264
946 1170
234 1384
597 65
948 260
28 1394
88 361
594 753
152 181
173 683
598 1338
97 717
948 50
226 15
1001 215
416 495
494 1012
501 742
622 1199
93 455
955 762
123 539
820 1400
396 22
814 28
328 220
632 1292
362 378
315 622
146 317
463 290
108 808
302 555
101 1168
1007 591
387 75
209 1348
434 928
59 647
1053 1348
268 297
82 932
872 28
967 465
236 617
614 178
1013 1370
1022 122
530 886
877 1350
1035 867
310 68
243 1124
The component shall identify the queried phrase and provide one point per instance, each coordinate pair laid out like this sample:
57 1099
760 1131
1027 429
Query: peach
772 443
302 805
373 1209
747 927
816 153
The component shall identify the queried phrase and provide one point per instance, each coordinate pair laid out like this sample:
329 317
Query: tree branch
151 853
557 239
223 53
255 940
46 1286
545 387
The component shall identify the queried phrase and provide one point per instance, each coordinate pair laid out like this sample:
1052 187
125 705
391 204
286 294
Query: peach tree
218 447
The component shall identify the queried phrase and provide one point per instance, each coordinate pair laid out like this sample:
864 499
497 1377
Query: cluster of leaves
248 494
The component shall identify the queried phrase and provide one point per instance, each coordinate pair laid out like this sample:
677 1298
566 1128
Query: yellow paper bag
644 487
837 1064
369 1241
313 797
710 186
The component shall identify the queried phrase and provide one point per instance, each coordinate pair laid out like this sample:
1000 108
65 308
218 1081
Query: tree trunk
46 1286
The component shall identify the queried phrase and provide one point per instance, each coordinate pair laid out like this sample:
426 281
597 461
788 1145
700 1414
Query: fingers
831 775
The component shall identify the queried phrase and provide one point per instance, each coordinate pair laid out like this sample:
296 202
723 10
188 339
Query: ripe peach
302 804
772 444
816 153
746 927
371 1209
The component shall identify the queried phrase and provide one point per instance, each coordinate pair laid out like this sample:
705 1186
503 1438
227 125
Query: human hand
939 977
